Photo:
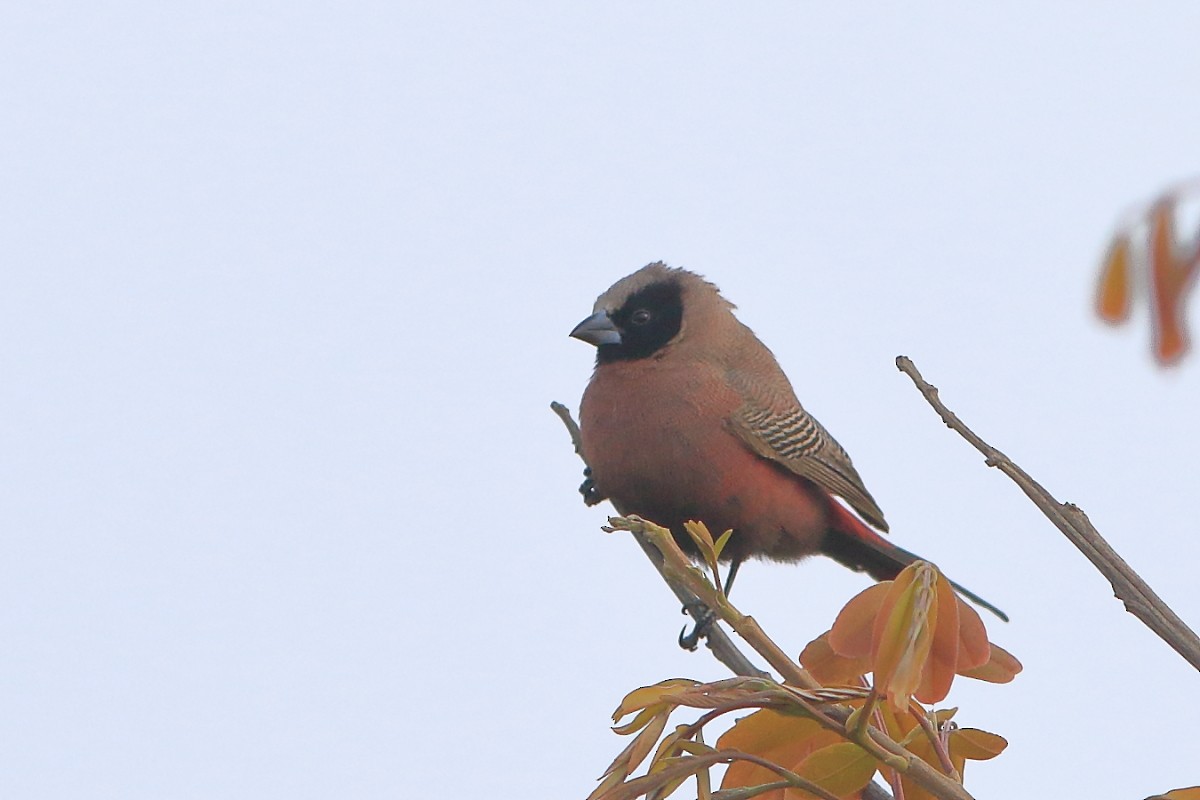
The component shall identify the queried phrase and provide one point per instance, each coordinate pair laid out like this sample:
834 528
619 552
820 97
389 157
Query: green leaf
703 539
721 542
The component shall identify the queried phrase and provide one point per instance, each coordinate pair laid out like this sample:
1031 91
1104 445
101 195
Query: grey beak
597 329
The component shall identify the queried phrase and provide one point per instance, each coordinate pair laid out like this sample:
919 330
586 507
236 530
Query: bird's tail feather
852 544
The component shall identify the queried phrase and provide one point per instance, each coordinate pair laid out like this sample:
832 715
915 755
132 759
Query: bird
688 416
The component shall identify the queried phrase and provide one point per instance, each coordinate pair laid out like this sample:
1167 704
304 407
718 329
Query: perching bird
689 417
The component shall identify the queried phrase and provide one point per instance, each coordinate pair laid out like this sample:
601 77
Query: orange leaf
1190 793
976 745
938 673
898 723
765 729
842 769
973 646
903 633
1001 667
781 738
1113 291
852 630
963 744
828 667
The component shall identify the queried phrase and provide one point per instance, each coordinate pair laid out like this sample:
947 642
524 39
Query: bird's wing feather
779 429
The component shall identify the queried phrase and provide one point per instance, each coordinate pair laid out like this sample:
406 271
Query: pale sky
286 295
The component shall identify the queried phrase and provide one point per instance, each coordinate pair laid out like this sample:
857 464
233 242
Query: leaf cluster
861 710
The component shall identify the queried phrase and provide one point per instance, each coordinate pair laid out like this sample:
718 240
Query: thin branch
1139 599
723 648
564 414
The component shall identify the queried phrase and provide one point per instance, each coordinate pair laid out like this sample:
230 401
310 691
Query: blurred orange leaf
1169 263
1169 278
1114 292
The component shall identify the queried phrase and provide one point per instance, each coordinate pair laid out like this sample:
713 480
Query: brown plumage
688 416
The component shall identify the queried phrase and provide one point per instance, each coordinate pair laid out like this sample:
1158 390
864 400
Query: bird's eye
640 317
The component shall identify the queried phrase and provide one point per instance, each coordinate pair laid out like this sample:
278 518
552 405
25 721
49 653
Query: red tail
851 543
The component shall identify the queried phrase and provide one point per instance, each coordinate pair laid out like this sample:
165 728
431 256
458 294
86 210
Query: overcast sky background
285 295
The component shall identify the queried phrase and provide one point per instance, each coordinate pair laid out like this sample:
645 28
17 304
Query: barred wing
795 440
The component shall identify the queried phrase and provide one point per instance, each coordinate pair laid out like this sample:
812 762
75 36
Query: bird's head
643 313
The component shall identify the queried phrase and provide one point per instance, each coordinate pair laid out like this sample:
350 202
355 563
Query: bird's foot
688 641
591 495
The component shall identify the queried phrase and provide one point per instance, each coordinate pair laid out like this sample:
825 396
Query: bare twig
723 648
564 414
1139 599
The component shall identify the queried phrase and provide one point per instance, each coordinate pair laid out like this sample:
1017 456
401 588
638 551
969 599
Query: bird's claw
591 495
688 641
